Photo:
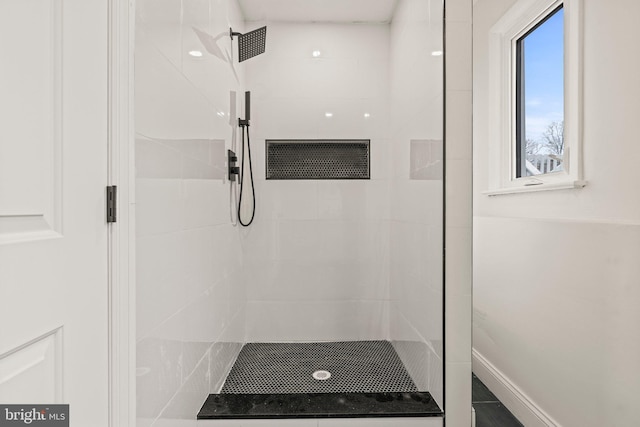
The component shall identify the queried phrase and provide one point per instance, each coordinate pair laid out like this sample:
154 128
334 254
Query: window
535 111
539 115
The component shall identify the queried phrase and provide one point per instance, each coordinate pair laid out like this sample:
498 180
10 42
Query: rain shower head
250 44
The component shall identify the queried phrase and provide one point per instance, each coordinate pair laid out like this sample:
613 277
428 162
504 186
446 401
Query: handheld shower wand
247 110
244 124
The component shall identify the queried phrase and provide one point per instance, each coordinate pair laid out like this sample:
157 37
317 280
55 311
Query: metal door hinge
111 203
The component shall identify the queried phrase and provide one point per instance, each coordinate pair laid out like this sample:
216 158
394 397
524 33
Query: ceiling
318 10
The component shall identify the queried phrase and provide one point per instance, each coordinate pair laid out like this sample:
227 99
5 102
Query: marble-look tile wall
190 296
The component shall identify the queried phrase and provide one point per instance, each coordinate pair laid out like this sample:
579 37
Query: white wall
416 96
556 301
317 253
190 295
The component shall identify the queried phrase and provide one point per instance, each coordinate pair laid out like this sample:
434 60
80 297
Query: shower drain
321 375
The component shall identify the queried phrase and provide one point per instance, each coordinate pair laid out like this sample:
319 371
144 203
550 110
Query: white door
53 232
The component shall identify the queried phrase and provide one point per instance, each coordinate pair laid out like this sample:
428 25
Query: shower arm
234 33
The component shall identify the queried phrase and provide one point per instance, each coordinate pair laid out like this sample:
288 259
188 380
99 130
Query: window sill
565 185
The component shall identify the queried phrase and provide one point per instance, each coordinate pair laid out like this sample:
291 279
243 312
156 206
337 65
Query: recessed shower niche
329 304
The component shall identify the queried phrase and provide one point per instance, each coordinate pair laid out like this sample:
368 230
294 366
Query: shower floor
355 367
275 380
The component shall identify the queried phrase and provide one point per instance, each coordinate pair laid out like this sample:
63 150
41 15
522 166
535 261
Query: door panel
30 119
53 232
32 372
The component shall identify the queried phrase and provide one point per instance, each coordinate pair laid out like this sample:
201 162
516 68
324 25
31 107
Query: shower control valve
231 163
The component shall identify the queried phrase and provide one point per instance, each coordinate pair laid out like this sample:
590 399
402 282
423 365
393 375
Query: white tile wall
190 287
323 260
291 321
322 281
416 209
323 272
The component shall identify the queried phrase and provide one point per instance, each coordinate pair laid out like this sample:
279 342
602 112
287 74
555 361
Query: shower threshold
318 380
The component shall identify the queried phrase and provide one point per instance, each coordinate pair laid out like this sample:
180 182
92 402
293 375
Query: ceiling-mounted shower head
250 44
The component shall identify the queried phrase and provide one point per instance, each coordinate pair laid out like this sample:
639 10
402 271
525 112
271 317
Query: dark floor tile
494 415
480 392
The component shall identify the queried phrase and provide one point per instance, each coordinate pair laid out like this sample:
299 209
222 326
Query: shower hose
253 190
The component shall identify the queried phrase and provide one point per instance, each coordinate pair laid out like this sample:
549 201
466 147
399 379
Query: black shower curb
319 405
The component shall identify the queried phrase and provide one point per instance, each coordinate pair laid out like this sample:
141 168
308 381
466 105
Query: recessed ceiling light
367 115
436 53
316 53
195 53
328 114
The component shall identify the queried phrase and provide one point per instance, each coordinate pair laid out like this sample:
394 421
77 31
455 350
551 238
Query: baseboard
520 405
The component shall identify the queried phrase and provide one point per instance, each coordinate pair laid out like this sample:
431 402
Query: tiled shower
324 260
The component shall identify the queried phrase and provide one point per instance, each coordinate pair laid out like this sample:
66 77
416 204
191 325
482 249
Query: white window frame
518 20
